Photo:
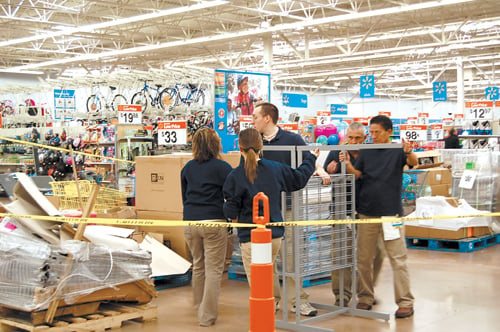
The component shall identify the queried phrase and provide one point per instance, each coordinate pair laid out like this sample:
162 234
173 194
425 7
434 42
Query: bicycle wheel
140 98
118 100
94 104
168 99
199 97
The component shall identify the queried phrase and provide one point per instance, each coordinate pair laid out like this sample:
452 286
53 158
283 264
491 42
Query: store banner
367 86
294 100
439 91
236 94
491 93
338 109
64 104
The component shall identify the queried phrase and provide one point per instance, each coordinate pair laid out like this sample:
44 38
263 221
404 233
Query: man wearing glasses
356 134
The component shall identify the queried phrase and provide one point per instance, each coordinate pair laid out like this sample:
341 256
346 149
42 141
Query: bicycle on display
98 100
152 96
186 94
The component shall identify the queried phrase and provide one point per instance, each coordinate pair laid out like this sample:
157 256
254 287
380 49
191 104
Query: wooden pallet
109 316
462 245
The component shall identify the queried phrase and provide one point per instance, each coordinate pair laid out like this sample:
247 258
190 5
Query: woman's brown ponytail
250 142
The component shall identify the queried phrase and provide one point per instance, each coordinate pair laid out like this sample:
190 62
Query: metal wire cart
317 250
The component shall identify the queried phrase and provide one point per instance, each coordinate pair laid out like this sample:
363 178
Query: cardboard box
427 157
433 233
122 212
173 235
158 180
430 176
441 190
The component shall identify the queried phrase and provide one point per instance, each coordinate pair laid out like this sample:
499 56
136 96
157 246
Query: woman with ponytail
256 175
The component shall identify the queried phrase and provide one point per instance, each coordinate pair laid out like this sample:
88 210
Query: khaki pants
368 235
208 248
246 256
347 285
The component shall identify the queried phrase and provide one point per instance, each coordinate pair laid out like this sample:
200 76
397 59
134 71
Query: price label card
448 122
468 178
437 132
294 127
245 122
423 118
482 110
414 132
323 118
412 120
172 132
129 114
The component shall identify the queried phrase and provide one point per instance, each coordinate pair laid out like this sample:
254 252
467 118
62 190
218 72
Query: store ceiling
319 47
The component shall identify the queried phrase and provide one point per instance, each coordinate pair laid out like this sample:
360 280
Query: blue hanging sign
491 93
367 86
294 100
338 109
439 91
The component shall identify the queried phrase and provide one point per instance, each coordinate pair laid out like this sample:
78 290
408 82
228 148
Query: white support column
460 86
268 51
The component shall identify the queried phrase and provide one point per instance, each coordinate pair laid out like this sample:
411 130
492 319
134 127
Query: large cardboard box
430 176
433 233
173 236
441 190
158 180
427 159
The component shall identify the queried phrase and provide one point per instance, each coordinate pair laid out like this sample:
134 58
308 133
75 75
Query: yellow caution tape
50 147
208 223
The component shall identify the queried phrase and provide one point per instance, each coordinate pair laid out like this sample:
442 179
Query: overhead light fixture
229 36
127 20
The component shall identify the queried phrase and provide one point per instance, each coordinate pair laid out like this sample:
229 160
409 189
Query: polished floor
455 292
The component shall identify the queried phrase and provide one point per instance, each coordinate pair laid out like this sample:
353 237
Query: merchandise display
98 109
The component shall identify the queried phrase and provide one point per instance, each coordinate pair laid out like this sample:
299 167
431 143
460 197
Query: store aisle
455 292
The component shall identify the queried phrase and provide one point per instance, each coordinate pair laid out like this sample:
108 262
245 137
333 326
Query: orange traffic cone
261 270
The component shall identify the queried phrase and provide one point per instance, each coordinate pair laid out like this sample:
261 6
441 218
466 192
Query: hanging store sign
338 109
491 93
172 132
439 91
437 132
367 86
459 119
130 114
388 114
482 110
64 104
413 133
294 100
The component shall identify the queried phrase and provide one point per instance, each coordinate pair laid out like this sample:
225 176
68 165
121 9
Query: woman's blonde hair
250 142
206 145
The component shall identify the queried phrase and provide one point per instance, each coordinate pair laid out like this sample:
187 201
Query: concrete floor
455 292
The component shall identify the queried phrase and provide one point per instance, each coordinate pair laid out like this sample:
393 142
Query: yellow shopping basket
67 191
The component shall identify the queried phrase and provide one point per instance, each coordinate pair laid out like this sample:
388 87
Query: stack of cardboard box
438 178
158 194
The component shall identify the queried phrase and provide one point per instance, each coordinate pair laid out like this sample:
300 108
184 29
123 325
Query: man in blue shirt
380 195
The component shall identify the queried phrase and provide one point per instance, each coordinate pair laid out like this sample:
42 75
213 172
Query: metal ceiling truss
319 46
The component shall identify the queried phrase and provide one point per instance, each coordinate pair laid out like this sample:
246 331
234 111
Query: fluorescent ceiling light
127 20
257 31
